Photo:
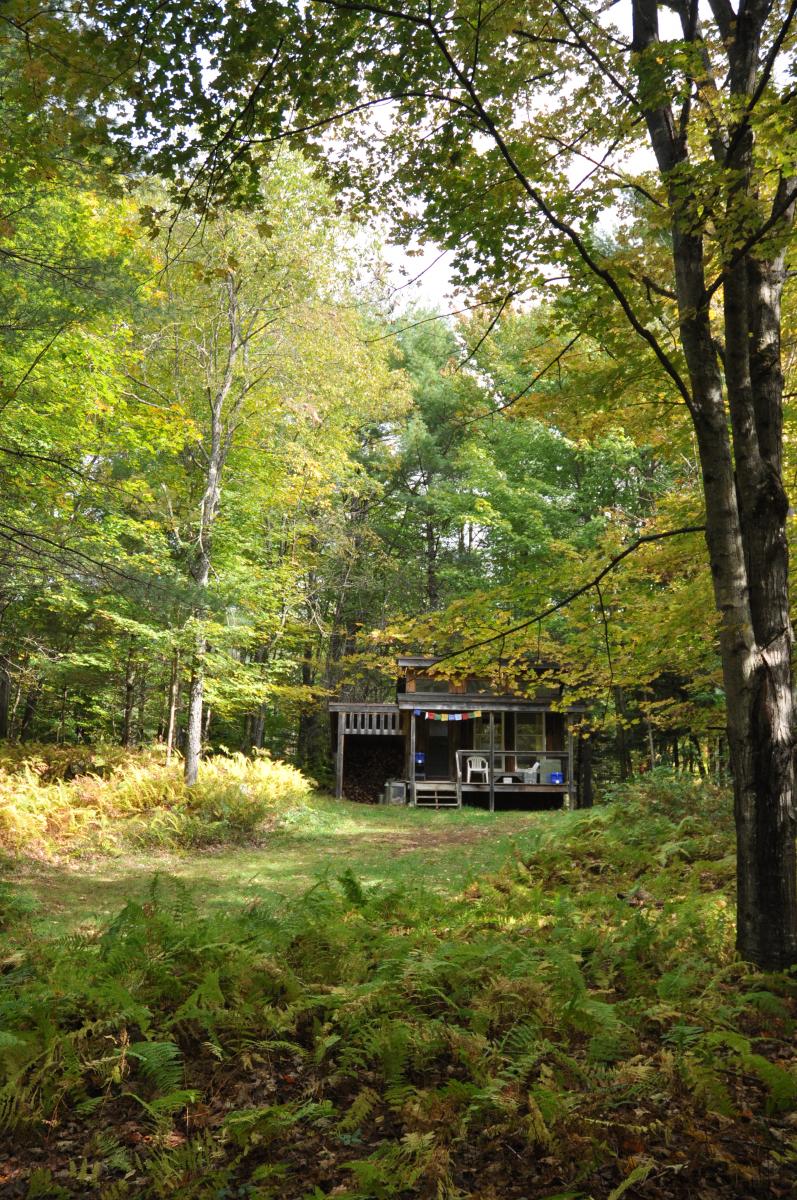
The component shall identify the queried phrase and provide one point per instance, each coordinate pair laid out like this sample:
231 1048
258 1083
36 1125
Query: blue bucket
420 758
556 777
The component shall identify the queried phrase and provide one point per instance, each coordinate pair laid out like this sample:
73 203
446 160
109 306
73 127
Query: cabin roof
360 706
415 660
470 702
442 702
409 661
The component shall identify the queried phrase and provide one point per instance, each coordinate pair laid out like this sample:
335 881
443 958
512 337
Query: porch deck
496 765
447 793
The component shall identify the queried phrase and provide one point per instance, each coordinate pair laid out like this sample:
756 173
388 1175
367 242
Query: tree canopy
210 402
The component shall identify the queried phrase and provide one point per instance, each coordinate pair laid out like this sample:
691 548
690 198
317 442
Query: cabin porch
465 750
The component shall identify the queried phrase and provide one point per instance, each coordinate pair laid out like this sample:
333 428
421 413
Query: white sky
433 287
430 272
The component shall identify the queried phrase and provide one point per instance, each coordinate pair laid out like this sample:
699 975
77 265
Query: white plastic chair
476 765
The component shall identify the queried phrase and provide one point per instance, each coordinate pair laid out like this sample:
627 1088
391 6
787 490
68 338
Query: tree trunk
258 728
59 737
142 706
254 726
623 752
432 583
746 503
28 712
193 741
174 695
221 434
701 766
308 738
651 745
130 698
5 699
585 791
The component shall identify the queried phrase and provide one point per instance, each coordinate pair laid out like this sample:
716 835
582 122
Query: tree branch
579 591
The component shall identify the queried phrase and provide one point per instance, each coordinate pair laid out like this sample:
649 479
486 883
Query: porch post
339 758
570 765
585 771
492 761
412 758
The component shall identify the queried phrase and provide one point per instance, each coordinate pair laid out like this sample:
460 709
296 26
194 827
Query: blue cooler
556 777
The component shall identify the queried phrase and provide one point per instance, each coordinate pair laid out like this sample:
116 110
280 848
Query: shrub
138 799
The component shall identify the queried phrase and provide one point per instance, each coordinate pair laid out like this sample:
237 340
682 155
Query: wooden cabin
445 742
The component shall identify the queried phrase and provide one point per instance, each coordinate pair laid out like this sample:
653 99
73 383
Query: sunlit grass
443 851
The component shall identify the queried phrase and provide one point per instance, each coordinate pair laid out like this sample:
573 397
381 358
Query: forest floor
381 1004
442 850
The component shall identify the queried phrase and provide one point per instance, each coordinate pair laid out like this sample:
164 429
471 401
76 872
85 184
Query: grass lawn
440 850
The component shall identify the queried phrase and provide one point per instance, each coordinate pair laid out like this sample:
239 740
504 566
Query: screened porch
460 753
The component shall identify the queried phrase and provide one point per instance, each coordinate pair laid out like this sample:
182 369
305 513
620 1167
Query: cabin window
481 734
530 731
425 683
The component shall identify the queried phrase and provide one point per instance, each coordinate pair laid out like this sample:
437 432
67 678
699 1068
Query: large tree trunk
201 571
745 501
221 435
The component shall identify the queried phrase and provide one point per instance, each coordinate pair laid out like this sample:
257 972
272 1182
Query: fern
107 1148
352 888
781 1083
161 1063
42 1186
707 1085
529 1020
396 1168
359 1110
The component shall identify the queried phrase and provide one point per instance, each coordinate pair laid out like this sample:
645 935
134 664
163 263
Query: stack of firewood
368 764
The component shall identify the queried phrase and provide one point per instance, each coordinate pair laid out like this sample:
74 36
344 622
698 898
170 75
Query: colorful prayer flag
464 716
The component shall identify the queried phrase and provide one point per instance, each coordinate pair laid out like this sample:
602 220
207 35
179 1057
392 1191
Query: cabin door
437 749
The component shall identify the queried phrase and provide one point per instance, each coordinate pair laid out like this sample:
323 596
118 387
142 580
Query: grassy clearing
571 1025
321 838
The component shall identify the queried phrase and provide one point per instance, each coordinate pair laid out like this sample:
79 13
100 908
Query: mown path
442 850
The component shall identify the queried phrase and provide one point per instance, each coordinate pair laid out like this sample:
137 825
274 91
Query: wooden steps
436 793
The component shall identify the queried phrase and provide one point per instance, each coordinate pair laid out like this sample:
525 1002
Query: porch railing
518 767
525 766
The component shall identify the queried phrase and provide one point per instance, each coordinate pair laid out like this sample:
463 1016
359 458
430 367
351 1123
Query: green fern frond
161 1063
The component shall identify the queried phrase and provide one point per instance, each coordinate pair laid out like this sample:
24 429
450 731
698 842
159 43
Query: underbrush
54 800
574 1026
